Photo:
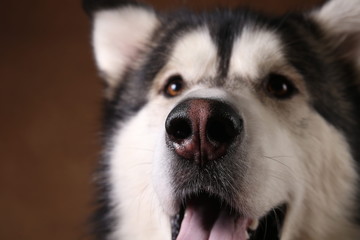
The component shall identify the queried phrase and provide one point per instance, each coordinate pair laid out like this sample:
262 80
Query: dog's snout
202 130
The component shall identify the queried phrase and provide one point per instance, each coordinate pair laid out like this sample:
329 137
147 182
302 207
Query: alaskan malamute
229 125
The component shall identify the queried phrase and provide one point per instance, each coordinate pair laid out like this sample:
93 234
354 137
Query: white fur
194 57
341 21
255 53
119 36
340 16
324 190
141 216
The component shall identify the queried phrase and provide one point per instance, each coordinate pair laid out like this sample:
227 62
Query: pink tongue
196 226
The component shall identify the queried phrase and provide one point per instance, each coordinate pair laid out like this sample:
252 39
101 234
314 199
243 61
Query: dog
228 124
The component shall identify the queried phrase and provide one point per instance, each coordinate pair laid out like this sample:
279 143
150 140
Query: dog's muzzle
205 138
201 133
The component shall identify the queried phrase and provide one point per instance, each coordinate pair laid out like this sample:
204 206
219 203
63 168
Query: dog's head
220 121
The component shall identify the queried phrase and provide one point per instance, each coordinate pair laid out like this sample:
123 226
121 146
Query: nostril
223 129
179 128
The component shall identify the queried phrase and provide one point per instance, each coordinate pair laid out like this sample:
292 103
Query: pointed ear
340 20
121 34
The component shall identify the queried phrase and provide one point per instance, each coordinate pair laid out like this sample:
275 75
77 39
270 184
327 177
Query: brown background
49 114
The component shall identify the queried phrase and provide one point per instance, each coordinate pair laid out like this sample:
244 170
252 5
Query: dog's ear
340 20
121 32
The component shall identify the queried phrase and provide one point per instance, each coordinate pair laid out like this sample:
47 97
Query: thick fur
302 151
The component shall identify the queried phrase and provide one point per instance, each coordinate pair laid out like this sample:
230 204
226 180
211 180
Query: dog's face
229 124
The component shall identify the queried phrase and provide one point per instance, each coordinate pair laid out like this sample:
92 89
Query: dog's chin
204 216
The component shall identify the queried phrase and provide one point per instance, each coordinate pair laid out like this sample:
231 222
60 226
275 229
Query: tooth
254 224
247 235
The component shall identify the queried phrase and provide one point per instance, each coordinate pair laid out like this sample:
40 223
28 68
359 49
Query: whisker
276 220
265 229
275 158
291 171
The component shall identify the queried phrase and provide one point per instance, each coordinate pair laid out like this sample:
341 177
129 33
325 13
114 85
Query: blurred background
50 100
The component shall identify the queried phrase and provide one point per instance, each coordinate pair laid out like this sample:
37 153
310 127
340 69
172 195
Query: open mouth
205 217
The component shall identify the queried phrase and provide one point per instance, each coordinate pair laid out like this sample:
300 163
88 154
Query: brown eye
174 86
280 86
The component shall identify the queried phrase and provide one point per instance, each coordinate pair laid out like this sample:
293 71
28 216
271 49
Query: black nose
202 130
